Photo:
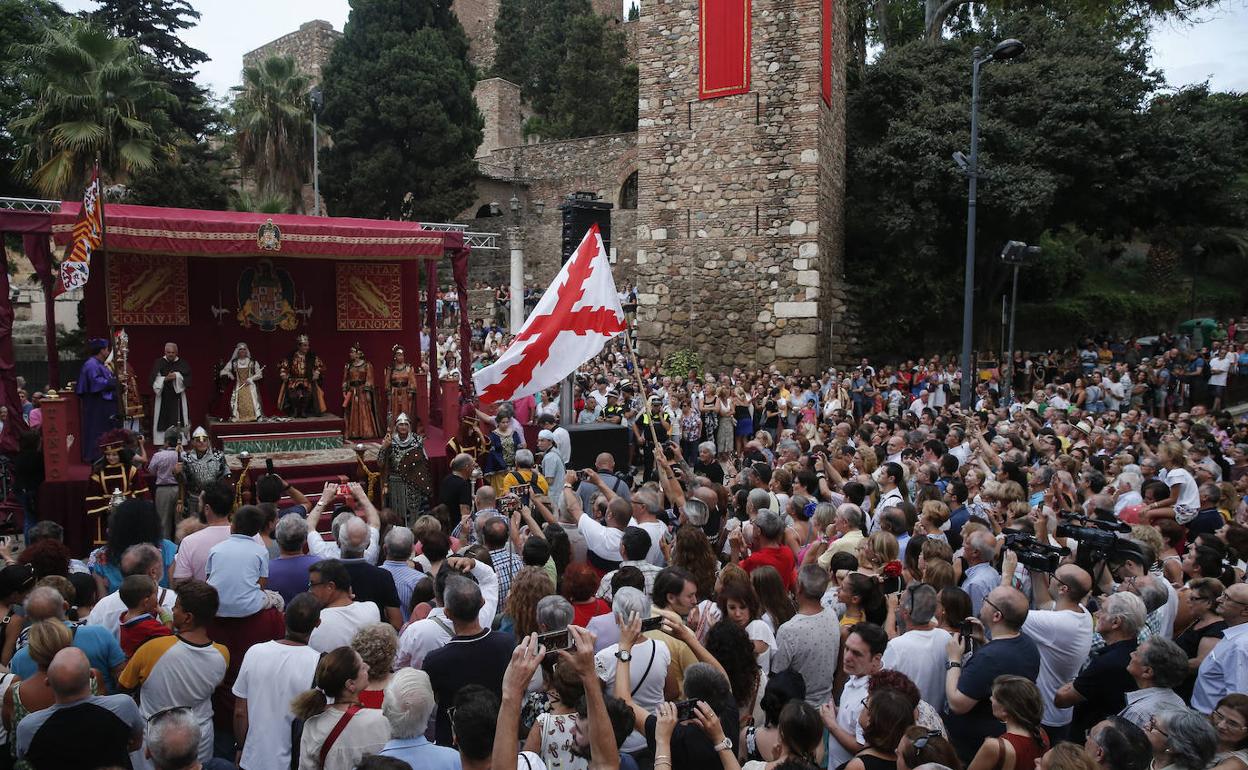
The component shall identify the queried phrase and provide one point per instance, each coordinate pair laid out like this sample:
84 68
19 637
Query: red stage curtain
459 268
431 319
724 48
825 75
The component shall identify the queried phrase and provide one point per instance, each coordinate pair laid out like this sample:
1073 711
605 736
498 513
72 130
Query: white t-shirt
1218 367
657 530
108 611
647 673
339 624
920 655
853 698
271 676
1064 638
1188 504
759 631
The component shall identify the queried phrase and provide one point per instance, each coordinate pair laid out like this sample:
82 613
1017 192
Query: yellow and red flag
75 269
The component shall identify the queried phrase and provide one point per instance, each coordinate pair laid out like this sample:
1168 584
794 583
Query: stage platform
278 434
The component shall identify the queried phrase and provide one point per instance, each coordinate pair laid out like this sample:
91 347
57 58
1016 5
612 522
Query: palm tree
90 98
273 122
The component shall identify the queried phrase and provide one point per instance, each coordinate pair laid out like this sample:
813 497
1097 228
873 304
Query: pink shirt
192 558
524 409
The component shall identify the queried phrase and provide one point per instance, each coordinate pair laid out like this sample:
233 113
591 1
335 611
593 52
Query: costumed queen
244 371
359 399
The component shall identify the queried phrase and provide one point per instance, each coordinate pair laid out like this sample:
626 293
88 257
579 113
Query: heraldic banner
147 290
723 48
369 297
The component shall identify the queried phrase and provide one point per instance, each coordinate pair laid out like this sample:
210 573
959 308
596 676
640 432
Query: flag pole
120 391
645 395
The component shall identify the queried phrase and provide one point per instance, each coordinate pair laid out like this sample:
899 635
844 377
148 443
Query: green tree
398 101
21 22
571 65
272 118
91 97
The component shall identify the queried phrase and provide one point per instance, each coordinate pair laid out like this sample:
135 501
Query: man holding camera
1062 634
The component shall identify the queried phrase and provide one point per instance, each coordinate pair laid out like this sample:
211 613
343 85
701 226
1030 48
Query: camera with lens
1098 538
1033 554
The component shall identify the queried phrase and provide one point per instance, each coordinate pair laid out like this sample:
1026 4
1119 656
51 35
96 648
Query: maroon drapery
459 268
431 320
35 229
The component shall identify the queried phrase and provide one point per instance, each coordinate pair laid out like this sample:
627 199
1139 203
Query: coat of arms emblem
266 298
269 237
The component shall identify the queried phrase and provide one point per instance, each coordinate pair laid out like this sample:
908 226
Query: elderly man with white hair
848 530
407 706
369 583
1128 488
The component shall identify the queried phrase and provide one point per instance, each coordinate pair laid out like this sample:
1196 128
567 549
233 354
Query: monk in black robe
171 377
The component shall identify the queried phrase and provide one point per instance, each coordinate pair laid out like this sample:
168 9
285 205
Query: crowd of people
842 570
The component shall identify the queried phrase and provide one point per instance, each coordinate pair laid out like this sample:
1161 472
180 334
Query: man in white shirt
920 652
562 439
648 658
141 559
341 617
1063 635
328 549
1128 486
601 540
272 674
1220 363
435 630
864 651
646 510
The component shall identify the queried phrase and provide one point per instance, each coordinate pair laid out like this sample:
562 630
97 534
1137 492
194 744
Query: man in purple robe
97 388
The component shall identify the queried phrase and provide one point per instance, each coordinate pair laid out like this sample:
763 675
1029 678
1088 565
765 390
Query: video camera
1098 538
1033 554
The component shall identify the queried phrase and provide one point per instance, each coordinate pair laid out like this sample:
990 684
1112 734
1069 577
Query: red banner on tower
724 48
825 74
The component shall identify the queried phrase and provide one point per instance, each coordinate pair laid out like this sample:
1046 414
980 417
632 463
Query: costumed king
301 372
405 471
112 481
201 466
171 376
97 393
244 371
359 399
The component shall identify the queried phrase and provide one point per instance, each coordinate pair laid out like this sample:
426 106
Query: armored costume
405 470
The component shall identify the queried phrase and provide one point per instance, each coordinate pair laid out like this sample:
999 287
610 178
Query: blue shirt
96 642
405 579
980 580
419 752
235 566
288 575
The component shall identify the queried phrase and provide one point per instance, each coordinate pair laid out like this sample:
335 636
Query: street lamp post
1015 253
1006 49
315 97
514 238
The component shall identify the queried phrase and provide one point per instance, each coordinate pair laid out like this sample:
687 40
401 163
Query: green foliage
22 22
398 101
271 203
272 118
1081 152
571 65
195 175
682 363
92 96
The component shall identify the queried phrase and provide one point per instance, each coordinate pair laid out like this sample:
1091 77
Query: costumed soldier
201 466
404 468
171 376
112 481
301 373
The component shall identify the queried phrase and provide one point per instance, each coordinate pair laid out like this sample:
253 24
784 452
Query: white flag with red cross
575 318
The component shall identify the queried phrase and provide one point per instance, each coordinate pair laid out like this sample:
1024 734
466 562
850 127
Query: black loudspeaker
589 441
580 211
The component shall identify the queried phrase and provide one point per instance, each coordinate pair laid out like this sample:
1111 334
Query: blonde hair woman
1184 501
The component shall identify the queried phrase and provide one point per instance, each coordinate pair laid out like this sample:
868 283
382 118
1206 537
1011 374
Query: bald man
604 464
1063 634
107 726
1003 613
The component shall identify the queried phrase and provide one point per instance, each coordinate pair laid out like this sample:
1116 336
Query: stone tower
740 225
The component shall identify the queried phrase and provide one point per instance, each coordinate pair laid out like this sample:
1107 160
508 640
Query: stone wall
477 18
739 230
548 172
310 45
499 103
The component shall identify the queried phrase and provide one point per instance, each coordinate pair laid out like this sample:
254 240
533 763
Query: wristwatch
623 655
723 745
953 664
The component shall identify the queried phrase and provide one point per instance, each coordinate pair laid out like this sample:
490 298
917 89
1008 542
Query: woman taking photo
1016 701
341 675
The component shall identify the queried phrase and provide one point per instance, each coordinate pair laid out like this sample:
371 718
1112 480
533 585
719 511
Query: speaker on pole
580 211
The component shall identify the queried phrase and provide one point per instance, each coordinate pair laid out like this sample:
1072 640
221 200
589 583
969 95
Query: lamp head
1007 49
